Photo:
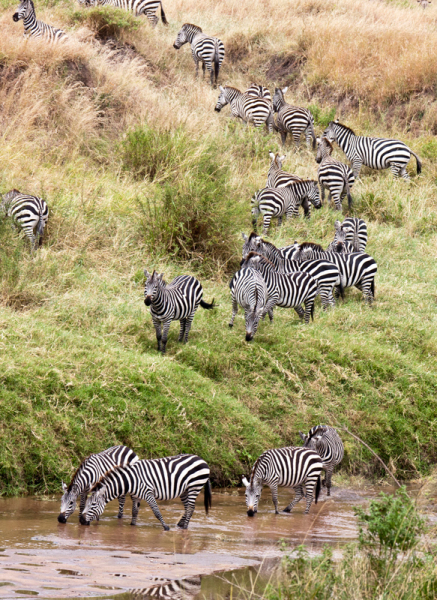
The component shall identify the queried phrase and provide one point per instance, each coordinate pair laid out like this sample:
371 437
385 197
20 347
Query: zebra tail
216 63
418 162
206 305
207 496
312 311
372 287
348 192
40 229
318 488
163 18
341 289
313 135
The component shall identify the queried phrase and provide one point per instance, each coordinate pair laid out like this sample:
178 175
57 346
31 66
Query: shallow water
40 557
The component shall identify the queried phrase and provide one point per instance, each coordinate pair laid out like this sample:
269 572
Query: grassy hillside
140 172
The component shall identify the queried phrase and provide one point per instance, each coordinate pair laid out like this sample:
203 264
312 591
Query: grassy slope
78 365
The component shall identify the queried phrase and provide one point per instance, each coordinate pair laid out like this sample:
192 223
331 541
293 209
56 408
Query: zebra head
330 132
278 98
68 502
253 243
340 243
277 160
314 194
223 99
186 34
324 149
26 7
7 199
253 494
95 505
153 283
313 438
253 316
255 208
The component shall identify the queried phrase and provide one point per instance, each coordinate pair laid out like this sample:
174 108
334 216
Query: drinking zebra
356 233
165 589
88 474
327 443
340 242
177 301
324 272
284 467
292 119
250 109
276 177
291 289
277 202
208 50
33 27
138 7
29 212
181 476
333 175
249 290
376 153
259 91
357 269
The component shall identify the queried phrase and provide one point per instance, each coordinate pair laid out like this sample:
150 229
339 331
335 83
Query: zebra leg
299 311
234 312
153 19
357 163
182 330
322 193
279 221
309 495
203 69
121 501
266 223
299 495
189 501
188 323
165 329
366 288
309 309
157 325
274 490
135 508
270 305
296 138
337 200
152 503
283 137
328 479
308 137
82 503
196 62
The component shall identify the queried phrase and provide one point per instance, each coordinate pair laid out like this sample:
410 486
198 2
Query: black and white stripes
333 175
327 443
208 50
29 212
293 120
138 7
33 27
247 107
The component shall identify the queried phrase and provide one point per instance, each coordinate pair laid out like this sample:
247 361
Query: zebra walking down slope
138 7
33 27
284 467
177 301
166 478
292 289
324 272
276 177
376 153
259 91
250 109
88 474
277 202
208 50
333 175
30 212
327 443
292 119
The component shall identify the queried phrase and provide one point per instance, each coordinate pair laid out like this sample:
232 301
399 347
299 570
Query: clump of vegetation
106 21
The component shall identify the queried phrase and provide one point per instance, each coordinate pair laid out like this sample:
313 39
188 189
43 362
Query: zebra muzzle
250 512
62 518
83 521
249 337
218 108
148 300
15 17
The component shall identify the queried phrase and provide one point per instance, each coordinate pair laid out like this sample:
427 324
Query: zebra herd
118 472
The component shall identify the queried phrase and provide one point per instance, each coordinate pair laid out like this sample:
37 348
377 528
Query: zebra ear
337 225
284 90
101 491
303 437
245 482
64 486
160 276
222 89
245 238
283 157
146 273
272 156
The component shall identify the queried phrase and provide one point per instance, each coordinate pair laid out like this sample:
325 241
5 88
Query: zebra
292 289
165 589
166 478
277 202
33 27
333 175
292 119
250 109
284 467
176 301
376 153
357 269
89 473
356 233
30 212
276 177
324 272
424 3
210 51
249 290
340 242
138 7
259 91
327 443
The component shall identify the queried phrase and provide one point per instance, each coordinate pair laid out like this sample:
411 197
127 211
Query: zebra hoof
119 516
166 527
133 523
286 509
231 325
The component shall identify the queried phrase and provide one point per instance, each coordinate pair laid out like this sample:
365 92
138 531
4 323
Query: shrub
321 116
106 21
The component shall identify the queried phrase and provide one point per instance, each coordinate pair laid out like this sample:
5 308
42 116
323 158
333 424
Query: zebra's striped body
357 269
356 233
33 27
292 289
208 50
248 108
276 177
324 272
277 202
30 212
165 589
249 290
177 301
137 7
151 480
376 153
327 443
293 120
284 467
259 91
89 473
340 243
333 175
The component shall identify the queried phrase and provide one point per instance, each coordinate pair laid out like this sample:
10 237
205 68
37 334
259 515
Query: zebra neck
29 21
191 34
343 137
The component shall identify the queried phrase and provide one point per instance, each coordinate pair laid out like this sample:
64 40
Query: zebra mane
311 245
254 468
252 235
316 430
344 126
99 484
262 258
79 468
327 142
229 87
187 25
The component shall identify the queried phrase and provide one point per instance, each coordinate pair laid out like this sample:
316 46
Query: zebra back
326 442
276 177
259 91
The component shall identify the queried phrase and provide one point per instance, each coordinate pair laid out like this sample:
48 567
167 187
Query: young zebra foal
327 443
333 175
276 177
29 212
293 120
33 27
247 107
284 467
177 301
210 51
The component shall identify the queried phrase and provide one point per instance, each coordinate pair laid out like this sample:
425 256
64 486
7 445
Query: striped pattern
327 443
333 175
176 589
277 202
29 212
33 27
324 272
276 177
284 467
291 289
181 476
259 91
340 243
208 50
356 233
137 7
248 108
177 301
293 120
376 153
88 474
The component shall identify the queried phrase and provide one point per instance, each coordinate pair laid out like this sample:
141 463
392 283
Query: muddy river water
40 557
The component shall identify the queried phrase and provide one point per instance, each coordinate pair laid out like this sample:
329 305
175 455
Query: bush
322 117
106 21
